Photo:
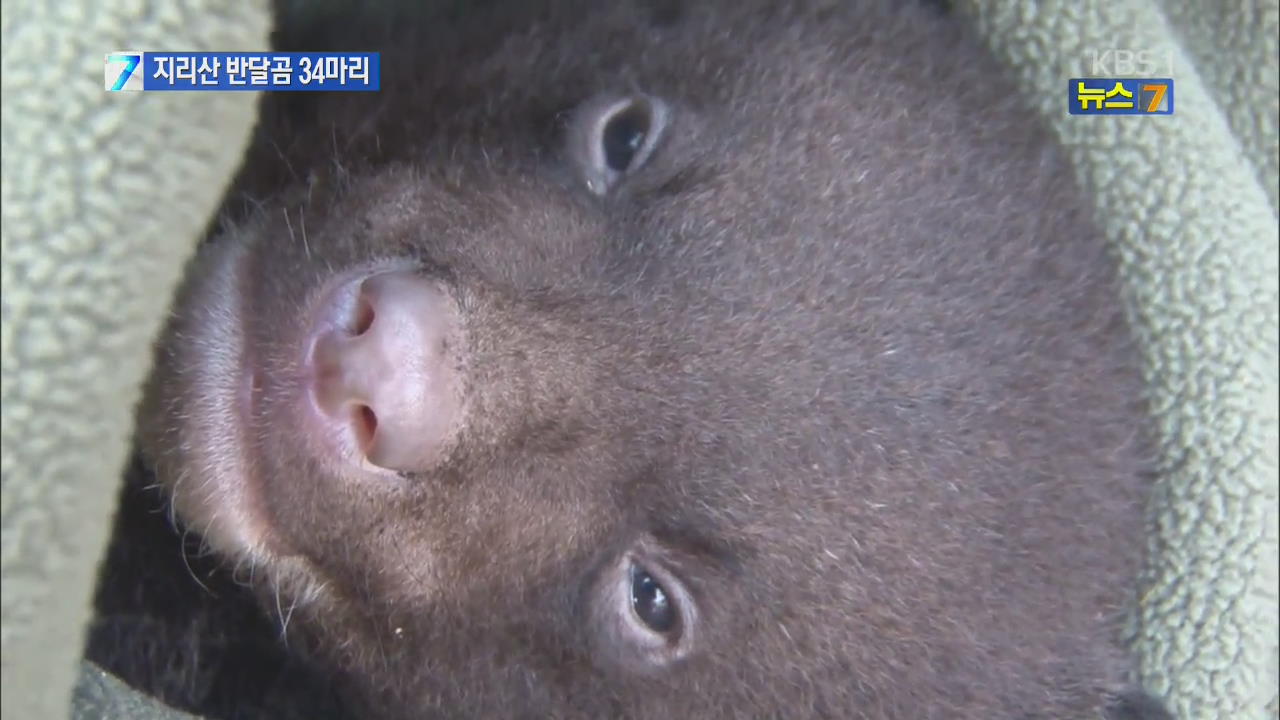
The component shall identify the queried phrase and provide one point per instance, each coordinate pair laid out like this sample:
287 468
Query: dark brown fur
847 356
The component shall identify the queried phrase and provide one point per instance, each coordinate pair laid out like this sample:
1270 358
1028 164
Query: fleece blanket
1191 206
104 196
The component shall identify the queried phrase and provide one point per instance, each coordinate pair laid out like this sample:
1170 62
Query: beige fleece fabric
102 199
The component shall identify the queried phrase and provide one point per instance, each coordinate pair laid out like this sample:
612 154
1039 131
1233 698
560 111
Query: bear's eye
645 618
624 136
651 603
611 137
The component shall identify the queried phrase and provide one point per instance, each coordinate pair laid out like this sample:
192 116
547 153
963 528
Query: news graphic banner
148 71
1120 96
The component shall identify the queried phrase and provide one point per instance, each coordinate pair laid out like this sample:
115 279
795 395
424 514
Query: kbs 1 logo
127 71
1120 96
1123 82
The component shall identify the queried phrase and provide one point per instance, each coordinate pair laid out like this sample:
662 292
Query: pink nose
383 375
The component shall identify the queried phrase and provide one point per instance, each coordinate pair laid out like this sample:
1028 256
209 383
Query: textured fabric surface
104 196
1233 46
99 695
92 247
1189 202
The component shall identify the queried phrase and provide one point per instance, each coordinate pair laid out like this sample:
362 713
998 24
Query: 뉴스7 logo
1156 91
120 75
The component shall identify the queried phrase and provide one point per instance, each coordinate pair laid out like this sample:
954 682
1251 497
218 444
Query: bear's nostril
364 316
365 423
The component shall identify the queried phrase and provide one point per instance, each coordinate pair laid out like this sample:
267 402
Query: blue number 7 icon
130 64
